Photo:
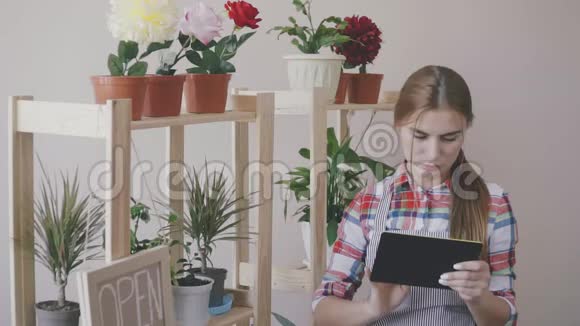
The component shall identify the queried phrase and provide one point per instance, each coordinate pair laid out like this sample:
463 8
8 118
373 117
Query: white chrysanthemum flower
143 21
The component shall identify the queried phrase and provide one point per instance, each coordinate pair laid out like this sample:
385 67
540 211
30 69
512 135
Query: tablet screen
419 260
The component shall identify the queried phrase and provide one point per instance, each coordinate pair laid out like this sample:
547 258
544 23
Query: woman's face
431 141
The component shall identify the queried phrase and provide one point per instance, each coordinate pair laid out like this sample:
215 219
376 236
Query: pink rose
201 22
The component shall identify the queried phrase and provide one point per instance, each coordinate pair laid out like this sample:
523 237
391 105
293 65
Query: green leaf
292 20
244 38
331 231
183 39
348 65
228 56
115 65
127 50
197 70
227 67
198 46
195 58
282 320
137 69
156 46
210 61
332 142
299 5
305 153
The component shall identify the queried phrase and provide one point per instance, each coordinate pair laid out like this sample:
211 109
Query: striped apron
422 306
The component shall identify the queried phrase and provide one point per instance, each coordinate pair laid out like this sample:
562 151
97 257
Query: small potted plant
66 228
362 49
345 169
206 84
312 68
210 217
131 22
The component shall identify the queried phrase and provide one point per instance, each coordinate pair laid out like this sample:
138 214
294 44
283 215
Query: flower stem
363 68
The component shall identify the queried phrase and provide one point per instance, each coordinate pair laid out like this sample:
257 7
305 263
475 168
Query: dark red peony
365 41
243 14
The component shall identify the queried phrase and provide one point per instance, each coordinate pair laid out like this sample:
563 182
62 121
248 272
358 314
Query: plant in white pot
344 181
211 216
66 228
312 68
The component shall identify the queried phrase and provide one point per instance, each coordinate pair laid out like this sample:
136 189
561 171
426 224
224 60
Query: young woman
435 192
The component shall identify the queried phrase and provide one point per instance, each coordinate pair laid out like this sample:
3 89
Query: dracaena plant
66 227
211 215
200 29
309 39
151 24
344 181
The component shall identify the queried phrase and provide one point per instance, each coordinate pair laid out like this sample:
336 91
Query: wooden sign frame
88 282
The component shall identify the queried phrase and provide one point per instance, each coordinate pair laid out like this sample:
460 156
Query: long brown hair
429 88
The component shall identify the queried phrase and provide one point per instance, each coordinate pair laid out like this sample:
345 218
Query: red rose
243 14
365 41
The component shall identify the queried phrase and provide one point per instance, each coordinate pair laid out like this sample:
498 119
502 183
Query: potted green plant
140 213
312 68
66 228
131 22
362 49
206 84
344 181
210 217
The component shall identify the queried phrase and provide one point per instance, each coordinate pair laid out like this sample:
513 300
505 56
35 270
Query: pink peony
201 22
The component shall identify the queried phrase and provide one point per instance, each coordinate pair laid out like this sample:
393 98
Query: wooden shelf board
192 118
285 279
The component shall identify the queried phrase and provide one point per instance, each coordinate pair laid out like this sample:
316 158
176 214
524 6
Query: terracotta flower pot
121 87
342 88
206 93
163 97
365 88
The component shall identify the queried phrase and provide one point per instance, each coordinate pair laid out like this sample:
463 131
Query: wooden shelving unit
112 124
311 103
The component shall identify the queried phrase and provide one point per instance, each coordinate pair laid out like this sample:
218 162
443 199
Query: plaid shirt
413 208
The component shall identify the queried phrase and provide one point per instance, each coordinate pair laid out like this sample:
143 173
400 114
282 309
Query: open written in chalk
133 291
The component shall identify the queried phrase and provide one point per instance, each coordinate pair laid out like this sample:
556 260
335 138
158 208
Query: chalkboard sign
133 291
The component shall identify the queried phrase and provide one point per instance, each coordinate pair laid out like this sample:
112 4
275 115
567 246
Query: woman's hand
385 297
471 281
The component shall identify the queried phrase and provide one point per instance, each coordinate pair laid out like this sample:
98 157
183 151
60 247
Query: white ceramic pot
192 303
305 228
306 71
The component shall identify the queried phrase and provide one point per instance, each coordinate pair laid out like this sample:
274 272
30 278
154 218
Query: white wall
520 58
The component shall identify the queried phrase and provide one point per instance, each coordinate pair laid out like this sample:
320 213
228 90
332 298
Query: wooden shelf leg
117 196
21 220
265 141
175 156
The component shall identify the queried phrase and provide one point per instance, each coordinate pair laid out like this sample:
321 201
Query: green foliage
127 61
66 228
211 214
214 57
140 213
309 39
344 181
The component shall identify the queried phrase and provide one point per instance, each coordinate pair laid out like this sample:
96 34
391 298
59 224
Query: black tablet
419 260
